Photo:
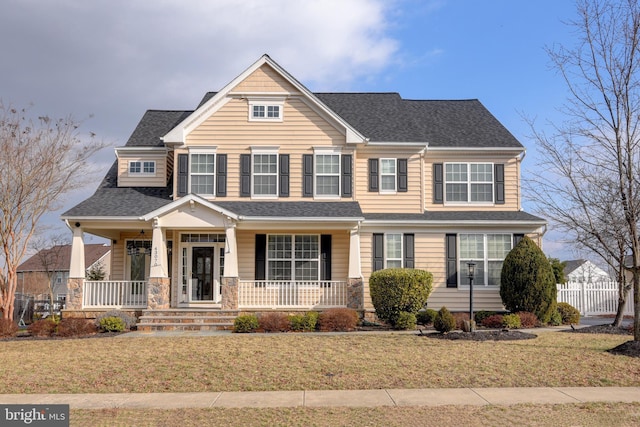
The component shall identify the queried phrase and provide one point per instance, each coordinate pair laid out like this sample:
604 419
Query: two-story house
269 196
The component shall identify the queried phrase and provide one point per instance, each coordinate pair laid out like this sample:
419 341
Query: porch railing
114 294
289 294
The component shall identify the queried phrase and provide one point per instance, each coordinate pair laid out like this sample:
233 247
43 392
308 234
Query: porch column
158 288
355 287
230 280
77 270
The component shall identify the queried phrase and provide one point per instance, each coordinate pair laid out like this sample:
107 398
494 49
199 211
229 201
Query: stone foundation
74 293
355 297
229 293
158 292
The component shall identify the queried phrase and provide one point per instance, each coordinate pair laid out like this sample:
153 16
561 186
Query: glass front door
202 266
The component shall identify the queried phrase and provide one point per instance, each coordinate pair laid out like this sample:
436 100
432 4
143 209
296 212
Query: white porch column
355 267
158 252
231 252
76 267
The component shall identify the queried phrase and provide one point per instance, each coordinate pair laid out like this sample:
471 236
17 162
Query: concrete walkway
328 398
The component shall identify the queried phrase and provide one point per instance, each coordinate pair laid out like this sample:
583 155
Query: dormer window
260 110
137 167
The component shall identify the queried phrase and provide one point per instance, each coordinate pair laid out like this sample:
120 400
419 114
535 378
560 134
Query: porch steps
186 320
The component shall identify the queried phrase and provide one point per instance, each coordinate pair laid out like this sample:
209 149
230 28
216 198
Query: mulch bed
483 335
629 348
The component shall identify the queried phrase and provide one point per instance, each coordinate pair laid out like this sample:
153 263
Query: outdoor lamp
472 272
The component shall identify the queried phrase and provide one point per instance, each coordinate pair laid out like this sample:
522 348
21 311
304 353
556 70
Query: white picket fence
594 298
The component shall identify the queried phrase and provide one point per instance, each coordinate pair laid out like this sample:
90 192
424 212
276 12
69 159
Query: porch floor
186 319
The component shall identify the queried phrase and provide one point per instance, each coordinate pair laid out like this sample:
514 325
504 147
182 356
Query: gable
265 80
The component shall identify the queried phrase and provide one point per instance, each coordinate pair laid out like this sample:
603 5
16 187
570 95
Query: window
393 250
202 173
265 111
293 257
388 178
488 251
469 182
142 168
265 175
327 175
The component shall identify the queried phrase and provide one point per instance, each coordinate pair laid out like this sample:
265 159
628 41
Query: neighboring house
33 274
584 271
269 196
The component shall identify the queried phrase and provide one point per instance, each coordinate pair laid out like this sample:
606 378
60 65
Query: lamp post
472 271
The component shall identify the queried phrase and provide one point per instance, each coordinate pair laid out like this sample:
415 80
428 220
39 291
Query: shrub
73 327
528 282
460 319
511 321
528 320
556 319
274 322
8 328
245 323
112 324
444 321
43 328
129 321
493 321
395 290
338 319
406 321
481 315
569 313
426 317
304 322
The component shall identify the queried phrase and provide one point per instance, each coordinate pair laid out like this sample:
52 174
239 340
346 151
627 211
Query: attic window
142 168
265 111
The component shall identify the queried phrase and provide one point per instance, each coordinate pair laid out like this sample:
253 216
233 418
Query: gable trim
188 199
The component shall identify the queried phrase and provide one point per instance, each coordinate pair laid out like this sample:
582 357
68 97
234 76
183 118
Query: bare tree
42 159
50 250
587 182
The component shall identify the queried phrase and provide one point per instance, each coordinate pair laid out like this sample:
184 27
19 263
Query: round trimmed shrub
569 313
444 321
245 323
406 321
112 324
493 321
395 290
511 321
528 320
425 317
527 281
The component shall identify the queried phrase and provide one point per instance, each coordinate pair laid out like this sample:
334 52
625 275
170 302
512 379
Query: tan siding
157 180
511 177
264 79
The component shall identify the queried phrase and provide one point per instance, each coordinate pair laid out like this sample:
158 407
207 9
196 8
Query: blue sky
115 59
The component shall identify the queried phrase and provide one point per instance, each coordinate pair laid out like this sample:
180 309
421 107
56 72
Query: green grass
240 362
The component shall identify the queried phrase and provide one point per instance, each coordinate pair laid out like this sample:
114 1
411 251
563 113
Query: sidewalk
327 398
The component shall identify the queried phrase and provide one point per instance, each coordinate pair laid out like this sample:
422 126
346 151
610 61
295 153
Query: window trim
270 151
462 273
266 104
142 165
211 151
469 184
327 152
394 174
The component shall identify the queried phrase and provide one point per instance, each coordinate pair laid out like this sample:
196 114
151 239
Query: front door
202 274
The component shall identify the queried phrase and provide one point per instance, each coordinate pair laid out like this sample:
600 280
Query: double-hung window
265 174
393 250
138 167
293 257
488 252
469 182
327 174
202 172
388 175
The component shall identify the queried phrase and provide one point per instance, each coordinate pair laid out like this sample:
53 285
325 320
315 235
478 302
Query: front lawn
239 362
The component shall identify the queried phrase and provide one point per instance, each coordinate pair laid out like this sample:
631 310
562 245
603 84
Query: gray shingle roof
154 125
294 209
456 216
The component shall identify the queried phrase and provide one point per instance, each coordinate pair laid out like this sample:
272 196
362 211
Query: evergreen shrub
444 321
245 323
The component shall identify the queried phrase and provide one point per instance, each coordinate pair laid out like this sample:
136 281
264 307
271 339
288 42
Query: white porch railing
114 294
594 298
288 294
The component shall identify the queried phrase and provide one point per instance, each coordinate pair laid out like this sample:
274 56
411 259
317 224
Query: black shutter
307 175
452 261
378 252
402 176
438 184
245 175
261 257
499 183
221 175
183 174
347 175
373 175
283 177
325 257
517 238
408 246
